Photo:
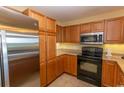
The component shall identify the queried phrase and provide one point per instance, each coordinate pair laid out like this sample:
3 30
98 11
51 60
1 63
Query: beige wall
107 15
114 48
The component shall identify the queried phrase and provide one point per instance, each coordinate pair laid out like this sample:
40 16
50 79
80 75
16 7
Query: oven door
89 68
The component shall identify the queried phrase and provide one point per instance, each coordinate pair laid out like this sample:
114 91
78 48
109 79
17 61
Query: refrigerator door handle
4 60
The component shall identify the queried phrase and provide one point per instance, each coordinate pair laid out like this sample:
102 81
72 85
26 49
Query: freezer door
4 70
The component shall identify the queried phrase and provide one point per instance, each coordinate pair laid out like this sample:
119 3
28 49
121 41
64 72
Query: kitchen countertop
116 58
67 51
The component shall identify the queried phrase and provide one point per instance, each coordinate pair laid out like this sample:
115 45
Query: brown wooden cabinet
71 34
97 26
51 46
51 70
38 16
120 77
66 63
60 65
114 30
66 34
43 81
59 34
51 25
70 64
109 73
75 34
42 46
86 28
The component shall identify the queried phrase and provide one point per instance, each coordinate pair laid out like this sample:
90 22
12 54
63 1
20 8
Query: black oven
90 65
92 38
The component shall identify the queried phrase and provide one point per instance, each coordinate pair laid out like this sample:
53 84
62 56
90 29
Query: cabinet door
43 80
38 16
51 46
42 46
51 25
97 26
51 70
86 28
109 73
73 65
120 77
66 34
75 34
60 65
66 64
114 30
59 32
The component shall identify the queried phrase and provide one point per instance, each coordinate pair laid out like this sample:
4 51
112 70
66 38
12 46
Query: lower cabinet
60 65
51 70
109 73
43 80
120 78
70 64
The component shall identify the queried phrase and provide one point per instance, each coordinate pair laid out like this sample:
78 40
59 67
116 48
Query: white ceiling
69 13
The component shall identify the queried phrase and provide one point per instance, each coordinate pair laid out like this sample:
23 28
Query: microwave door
89 38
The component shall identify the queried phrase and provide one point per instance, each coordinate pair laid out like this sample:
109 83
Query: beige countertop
116 58
67 51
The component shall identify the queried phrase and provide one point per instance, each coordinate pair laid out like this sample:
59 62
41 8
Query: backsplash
69 46
114 48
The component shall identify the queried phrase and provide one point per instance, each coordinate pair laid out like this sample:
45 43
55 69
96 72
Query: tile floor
66 80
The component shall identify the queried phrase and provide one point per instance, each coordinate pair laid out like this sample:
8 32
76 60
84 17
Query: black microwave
91 38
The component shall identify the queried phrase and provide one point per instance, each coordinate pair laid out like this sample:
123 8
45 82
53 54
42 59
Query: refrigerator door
23 58
4 60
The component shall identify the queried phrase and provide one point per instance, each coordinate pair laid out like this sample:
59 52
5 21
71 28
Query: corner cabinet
114 30
70 64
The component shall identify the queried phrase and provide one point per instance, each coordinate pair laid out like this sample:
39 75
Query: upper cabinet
71 34
59 33
66 34
38 16
86 28
114 30
75 34
51 25
97 26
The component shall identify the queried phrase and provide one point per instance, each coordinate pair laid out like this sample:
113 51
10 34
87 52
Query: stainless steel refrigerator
15 45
